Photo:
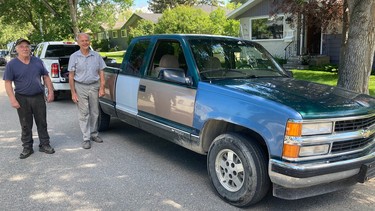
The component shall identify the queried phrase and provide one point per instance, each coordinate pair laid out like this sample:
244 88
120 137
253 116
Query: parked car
3 53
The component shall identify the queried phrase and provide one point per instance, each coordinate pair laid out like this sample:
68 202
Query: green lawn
329 78
118 55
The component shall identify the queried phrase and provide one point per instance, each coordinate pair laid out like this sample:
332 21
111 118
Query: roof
146 16
242 9
118 25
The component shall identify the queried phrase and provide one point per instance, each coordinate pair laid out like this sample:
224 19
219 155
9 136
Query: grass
329 78
118 55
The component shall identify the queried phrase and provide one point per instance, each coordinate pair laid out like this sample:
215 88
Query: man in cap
28 97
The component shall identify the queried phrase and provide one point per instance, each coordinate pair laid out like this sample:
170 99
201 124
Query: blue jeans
32 107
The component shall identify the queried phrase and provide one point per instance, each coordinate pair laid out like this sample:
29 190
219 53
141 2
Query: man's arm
102 84
72 86
10 93
48 83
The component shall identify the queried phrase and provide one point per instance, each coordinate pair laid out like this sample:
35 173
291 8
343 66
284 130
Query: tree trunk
358 50
73 15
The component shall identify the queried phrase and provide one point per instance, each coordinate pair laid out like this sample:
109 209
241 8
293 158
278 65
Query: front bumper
290 177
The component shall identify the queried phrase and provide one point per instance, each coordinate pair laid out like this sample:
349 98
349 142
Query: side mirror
289 73
174 75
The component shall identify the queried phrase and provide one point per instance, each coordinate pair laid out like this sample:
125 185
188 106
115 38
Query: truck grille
343 146
355 124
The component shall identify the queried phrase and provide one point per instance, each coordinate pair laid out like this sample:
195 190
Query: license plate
366 172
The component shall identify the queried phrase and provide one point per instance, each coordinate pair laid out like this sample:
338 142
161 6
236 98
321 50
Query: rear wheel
103 120
237 168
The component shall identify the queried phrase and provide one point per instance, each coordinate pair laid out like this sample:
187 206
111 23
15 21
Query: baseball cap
22 40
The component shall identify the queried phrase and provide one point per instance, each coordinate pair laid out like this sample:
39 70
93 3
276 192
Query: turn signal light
294 129
291 151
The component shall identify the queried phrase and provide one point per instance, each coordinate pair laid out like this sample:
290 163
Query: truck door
165 96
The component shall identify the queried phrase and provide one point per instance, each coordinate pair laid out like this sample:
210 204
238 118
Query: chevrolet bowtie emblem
366 133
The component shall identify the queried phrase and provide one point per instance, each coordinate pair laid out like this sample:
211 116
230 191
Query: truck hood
311 100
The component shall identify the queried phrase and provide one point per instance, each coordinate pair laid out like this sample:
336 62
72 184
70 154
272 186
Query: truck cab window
167 55
136 58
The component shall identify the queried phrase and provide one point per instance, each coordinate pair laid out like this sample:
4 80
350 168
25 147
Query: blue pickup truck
260 128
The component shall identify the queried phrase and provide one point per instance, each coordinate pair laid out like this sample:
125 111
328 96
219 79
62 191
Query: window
267 28
136 58
123 33
114 34
168 55
100 36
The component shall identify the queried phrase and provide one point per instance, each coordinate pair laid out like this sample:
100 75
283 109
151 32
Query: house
116 36
282 40
136 17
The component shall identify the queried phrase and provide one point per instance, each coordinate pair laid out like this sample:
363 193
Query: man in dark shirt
26 71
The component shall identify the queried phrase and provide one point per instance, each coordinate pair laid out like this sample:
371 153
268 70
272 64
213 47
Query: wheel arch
214 128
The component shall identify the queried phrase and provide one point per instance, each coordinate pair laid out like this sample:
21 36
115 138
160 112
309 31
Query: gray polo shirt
86 67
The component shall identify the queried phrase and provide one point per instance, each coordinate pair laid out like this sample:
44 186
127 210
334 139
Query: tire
238 170
103 120
56 95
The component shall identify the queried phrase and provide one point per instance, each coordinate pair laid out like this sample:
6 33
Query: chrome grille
354 124
351 144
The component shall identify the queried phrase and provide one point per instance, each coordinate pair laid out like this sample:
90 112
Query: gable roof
242 9
146 16
118 25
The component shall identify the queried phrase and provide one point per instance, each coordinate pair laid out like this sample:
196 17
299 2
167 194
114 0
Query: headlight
294 145
297 129
295 151
313 150
316 128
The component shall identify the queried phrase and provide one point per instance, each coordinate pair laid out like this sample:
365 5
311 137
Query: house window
123 33
267 28
114 34
100 36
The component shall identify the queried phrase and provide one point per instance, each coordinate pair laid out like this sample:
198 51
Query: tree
158 6
238 1
358 42
31 12
144 27
189 20
358 46
183 19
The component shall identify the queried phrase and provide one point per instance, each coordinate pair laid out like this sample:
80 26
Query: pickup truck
260 128
55 56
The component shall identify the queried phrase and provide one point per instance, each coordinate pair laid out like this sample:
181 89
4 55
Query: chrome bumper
295 175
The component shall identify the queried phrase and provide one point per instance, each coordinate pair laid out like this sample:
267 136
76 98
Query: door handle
142 88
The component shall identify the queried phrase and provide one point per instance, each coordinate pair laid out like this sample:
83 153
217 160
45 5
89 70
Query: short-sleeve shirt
86 67
26 77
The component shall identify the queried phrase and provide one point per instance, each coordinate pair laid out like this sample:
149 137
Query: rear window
61 50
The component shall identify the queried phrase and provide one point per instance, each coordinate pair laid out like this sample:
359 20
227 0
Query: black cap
22 40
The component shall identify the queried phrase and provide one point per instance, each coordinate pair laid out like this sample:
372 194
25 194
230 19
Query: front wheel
237 168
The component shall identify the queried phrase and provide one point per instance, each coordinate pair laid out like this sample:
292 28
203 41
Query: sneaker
26 153
97 139
86 144
46 148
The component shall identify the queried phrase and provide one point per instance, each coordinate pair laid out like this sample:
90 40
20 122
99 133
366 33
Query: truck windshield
61 50
222 58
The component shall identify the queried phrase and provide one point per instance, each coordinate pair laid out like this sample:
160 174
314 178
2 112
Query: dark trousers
32 107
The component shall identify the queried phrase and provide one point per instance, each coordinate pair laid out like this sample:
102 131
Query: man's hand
75 97
15 104
101 92
50 97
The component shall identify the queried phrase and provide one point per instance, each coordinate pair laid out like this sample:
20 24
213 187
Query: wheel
103 120
237 168
56 95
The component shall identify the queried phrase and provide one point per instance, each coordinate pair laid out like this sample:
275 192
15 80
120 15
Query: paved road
131 170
